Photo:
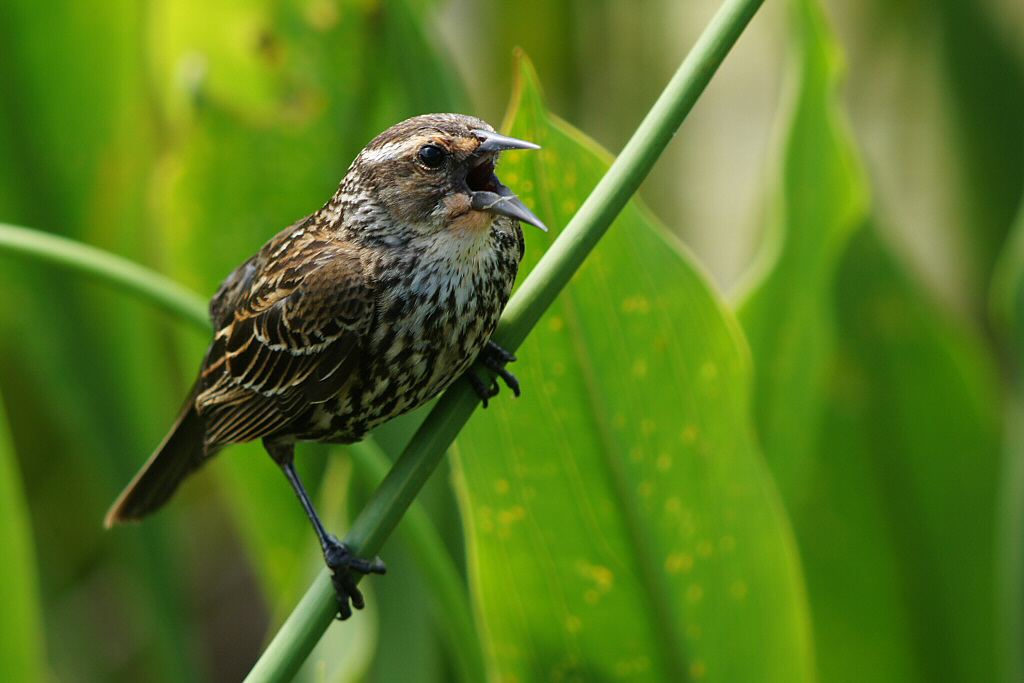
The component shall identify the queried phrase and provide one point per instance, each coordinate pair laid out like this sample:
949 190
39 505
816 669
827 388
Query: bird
363 310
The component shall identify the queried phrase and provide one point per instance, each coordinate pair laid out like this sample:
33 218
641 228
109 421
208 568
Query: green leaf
22 656
983 83
898 538
1007 293
820 200
1007 311
621 521
877 413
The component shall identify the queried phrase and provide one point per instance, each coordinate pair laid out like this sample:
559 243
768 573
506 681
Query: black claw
494 350
342 562
495 358
482 390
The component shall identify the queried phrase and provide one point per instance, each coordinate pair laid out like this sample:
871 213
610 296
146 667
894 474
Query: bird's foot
342 562
494 358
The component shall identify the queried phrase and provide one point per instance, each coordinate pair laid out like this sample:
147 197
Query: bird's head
436 172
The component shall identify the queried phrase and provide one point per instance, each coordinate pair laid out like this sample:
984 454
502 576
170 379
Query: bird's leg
494 358
339 557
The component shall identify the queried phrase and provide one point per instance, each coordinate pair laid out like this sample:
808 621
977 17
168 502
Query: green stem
315 611
110 268
427 548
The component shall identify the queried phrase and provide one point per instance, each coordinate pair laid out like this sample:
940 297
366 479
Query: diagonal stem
315 611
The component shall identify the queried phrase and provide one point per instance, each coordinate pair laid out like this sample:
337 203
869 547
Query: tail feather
181 453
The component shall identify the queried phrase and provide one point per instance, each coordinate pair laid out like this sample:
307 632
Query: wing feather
291 340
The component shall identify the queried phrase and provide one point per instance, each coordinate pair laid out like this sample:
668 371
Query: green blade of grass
106 267
22 654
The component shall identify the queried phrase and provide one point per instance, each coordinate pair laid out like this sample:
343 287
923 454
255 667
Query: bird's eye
432 156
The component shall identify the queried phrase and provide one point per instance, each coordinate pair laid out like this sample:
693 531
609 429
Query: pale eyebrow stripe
392 150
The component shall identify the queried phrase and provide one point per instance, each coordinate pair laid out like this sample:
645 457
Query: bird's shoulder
305 273
290 324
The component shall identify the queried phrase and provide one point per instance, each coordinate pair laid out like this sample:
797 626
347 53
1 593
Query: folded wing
292 339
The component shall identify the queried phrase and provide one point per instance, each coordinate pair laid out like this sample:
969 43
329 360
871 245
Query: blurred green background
839 491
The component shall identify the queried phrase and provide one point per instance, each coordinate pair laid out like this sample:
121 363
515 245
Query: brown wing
291 340
237 287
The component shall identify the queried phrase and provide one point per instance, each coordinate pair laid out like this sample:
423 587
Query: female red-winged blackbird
360 312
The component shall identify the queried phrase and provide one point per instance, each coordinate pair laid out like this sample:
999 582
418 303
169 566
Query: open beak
488 192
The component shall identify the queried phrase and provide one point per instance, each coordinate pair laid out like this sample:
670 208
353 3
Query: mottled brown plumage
358 313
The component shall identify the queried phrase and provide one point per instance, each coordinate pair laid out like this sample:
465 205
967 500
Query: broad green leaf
984 97
22 657
820 199
622 525
1007 310
1007 295
898 538
877 415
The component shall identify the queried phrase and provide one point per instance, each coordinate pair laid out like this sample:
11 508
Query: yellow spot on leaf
485 520
648 426
512 515
689 433
322 15
602 577
698 669
705 548
694 592
664 462
501 486
639 368
569 175
573 623
645 488
636 304
738 589
678 562
556 323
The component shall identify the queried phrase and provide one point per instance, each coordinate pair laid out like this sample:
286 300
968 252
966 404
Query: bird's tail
181 452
